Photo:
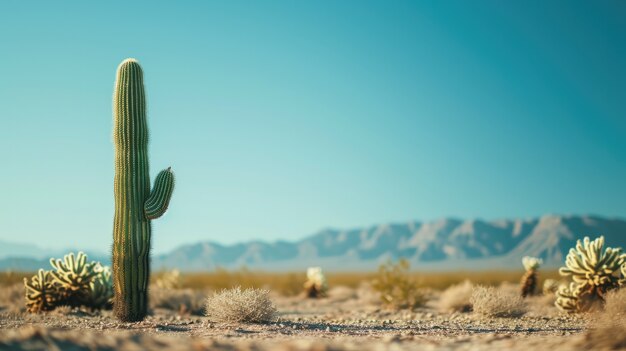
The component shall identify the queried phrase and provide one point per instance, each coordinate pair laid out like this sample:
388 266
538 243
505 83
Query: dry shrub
494 302
615 304
609 331
397 288
168 279
457 298
609 335
12 298
236 305
182 301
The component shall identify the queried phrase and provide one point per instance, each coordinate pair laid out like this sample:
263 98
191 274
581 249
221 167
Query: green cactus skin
135 205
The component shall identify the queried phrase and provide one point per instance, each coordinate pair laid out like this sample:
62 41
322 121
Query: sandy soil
347 320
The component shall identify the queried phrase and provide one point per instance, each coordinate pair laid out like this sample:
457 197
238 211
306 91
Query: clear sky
280 118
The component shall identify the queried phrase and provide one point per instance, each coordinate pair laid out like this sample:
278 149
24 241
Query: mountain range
446 244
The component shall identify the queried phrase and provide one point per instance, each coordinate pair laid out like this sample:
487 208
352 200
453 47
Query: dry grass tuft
397 287
494 302
456 298
181 301
12 298
237 305
615 304
610 335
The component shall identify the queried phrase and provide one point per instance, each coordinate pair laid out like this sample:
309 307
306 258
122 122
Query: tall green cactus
135 204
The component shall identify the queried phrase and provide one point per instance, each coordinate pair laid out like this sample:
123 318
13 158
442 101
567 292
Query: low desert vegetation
457 298
316 285
594 272
615 305
168 279
73 282
550 286
397 288
491 301
238 305
181 301
530 279
290 283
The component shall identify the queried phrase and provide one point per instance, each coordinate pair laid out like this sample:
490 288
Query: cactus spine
135 204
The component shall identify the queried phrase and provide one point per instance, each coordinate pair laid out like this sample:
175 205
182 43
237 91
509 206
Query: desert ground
347 319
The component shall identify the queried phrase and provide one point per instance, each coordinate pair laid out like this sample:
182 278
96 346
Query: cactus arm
159 198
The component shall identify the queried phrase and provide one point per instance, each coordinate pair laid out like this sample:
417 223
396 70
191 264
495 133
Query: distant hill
447 244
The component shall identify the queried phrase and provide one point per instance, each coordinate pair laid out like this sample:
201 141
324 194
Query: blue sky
280 118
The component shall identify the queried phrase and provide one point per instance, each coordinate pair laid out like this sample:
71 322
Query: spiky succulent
531 263
101 288
529 280
72 282
136 202
316 284
622 282
566 298
74 275
594 271
41 292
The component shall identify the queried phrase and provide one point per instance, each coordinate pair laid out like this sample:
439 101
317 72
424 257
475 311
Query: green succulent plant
567 298
136 205
101 288
72 282
594 271
74 275
41 292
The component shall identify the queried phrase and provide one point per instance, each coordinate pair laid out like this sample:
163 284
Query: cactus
316 284
41 292
529 280
73 275
101 288
594 272
72 282
567 299
135 204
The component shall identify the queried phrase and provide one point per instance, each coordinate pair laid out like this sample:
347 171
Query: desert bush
615 304
316 284
457 297
494 302
290 283
528 283
12 298
397 288
594 273
608 333
550 286
182 301
168 279
72 282
236 305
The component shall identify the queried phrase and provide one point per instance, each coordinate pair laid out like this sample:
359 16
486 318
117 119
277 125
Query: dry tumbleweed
237 305
494 302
